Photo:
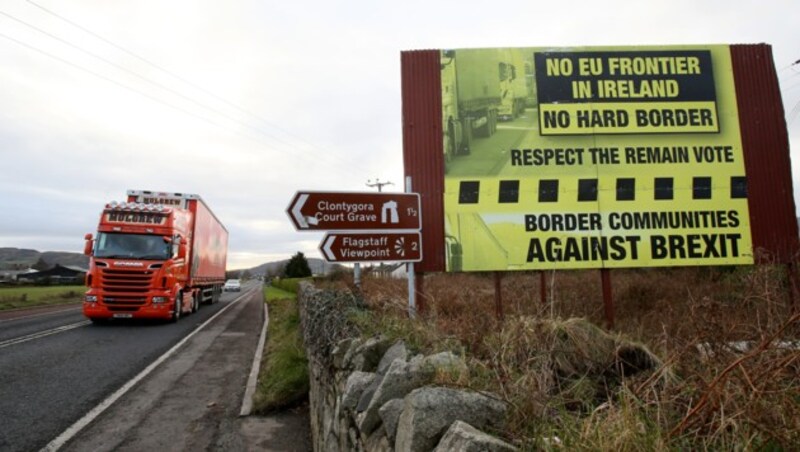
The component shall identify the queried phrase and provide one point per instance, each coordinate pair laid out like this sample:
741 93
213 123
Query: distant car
232 285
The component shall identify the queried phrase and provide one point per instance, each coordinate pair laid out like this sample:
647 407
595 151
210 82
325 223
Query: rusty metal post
498 295
412 292
791 272
543 286
608 302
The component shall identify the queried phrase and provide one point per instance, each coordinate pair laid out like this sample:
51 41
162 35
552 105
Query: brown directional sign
372 247
342 211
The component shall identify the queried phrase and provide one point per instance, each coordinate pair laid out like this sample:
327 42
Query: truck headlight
91 298
159 299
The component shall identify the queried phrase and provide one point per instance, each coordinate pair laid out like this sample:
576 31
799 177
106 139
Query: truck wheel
176 313
196 303
466 139
483 131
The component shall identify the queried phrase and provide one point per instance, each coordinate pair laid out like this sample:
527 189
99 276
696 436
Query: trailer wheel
176 313
484 131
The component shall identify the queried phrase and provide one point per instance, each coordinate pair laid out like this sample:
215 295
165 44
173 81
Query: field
30 296
699 358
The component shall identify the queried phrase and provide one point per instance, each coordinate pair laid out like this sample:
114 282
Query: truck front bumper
98 311
95 307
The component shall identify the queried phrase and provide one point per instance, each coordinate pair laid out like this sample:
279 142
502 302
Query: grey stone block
466 438
390 415
357 382
428 412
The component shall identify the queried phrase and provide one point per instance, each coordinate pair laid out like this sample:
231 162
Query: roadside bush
288 284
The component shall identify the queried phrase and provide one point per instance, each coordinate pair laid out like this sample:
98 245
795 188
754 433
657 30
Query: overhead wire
259 130
781 69
108 79
115 65
793 114
131 89
133 73
165 71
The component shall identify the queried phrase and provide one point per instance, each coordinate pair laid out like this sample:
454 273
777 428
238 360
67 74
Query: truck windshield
132 246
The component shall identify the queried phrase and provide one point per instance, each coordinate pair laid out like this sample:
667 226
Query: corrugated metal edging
766 153
422 148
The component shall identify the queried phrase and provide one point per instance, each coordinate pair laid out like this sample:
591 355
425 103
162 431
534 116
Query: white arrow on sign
326 248
301 200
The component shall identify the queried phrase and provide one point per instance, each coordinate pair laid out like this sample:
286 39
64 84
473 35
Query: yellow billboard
592 157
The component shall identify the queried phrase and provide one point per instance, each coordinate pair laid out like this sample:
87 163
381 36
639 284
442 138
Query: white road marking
30 337
252 379
514 127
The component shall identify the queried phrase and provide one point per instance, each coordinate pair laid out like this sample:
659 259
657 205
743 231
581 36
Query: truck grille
125 289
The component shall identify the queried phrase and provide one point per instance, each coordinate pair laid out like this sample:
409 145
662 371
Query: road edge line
252 379
87 418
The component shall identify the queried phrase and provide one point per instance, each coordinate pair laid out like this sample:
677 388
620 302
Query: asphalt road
55 367
490 156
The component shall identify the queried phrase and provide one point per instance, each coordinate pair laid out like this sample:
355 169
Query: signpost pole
498 295
412 299
608 302
543 286
791 271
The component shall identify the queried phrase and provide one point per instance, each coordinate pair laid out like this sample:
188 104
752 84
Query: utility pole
378 184
357 266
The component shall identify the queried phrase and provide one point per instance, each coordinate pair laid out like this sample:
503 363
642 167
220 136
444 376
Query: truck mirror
87 247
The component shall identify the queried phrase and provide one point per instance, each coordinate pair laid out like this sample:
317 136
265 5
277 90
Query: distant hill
317 266
11 258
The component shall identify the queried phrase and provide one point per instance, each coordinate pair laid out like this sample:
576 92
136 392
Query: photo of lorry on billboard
606 157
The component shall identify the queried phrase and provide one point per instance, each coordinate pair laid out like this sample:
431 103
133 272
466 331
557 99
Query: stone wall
370 394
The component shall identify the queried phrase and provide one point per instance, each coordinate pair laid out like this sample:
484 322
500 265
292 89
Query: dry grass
724 341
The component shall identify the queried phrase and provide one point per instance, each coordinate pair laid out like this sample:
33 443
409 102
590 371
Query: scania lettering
156 256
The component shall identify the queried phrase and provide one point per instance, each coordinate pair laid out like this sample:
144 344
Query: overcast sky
245 102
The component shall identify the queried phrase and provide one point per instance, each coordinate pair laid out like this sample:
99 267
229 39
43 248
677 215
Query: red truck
156 256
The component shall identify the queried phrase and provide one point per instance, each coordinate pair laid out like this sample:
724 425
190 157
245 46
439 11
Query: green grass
29 296
288 284
283 378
